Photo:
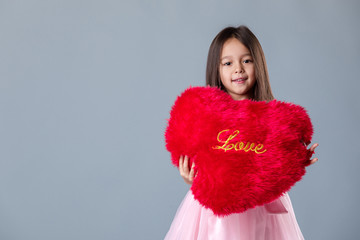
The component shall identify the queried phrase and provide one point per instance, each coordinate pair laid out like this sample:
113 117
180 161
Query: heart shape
247 153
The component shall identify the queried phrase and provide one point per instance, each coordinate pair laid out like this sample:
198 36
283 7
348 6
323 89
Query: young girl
235 64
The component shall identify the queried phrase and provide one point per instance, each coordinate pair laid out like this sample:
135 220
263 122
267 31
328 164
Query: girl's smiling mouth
239 80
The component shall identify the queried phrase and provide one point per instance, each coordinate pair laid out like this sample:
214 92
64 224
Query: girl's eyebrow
246 54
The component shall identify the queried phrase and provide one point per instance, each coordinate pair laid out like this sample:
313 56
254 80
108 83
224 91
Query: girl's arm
185 171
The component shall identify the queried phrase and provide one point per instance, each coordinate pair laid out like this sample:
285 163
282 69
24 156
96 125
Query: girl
235 64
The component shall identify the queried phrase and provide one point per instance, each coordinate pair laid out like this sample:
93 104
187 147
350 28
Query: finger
186 162
181 165
186 165
192 172
312 148
312 161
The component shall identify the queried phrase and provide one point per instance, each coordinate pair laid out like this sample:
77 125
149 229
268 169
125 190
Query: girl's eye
227 64
247 61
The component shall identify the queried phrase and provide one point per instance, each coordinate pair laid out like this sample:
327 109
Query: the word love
230 143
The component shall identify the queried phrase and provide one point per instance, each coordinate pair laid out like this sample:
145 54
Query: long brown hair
261 90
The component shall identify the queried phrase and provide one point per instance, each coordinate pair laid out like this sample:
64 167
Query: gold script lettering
237 146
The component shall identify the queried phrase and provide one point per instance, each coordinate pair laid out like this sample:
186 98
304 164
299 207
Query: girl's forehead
233 47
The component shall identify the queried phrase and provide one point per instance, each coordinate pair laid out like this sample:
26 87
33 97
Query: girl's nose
239 69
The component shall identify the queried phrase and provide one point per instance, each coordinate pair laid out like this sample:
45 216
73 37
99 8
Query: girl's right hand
186 172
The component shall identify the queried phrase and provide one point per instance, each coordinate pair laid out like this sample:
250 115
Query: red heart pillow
247 153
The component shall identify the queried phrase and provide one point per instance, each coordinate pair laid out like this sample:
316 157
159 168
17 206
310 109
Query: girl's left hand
312 149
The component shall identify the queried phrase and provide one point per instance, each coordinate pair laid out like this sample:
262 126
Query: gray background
86 87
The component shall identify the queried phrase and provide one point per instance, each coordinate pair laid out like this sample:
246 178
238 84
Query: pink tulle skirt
273 221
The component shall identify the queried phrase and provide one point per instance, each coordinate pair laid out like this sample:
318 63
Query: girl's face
237 71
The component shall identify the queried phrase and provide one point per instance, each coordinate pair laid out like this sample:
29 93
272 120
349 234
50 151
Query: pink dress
272 221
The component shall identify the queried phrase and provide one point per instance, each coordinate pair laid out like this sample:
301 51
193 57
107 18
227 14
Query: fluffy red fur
247 153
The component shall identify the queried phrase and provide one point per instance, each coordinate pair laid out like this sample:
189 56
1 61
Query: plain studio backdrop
86 88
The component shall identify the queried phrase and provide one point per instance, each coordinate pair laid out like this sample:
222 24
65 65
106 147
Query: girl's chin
237 96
